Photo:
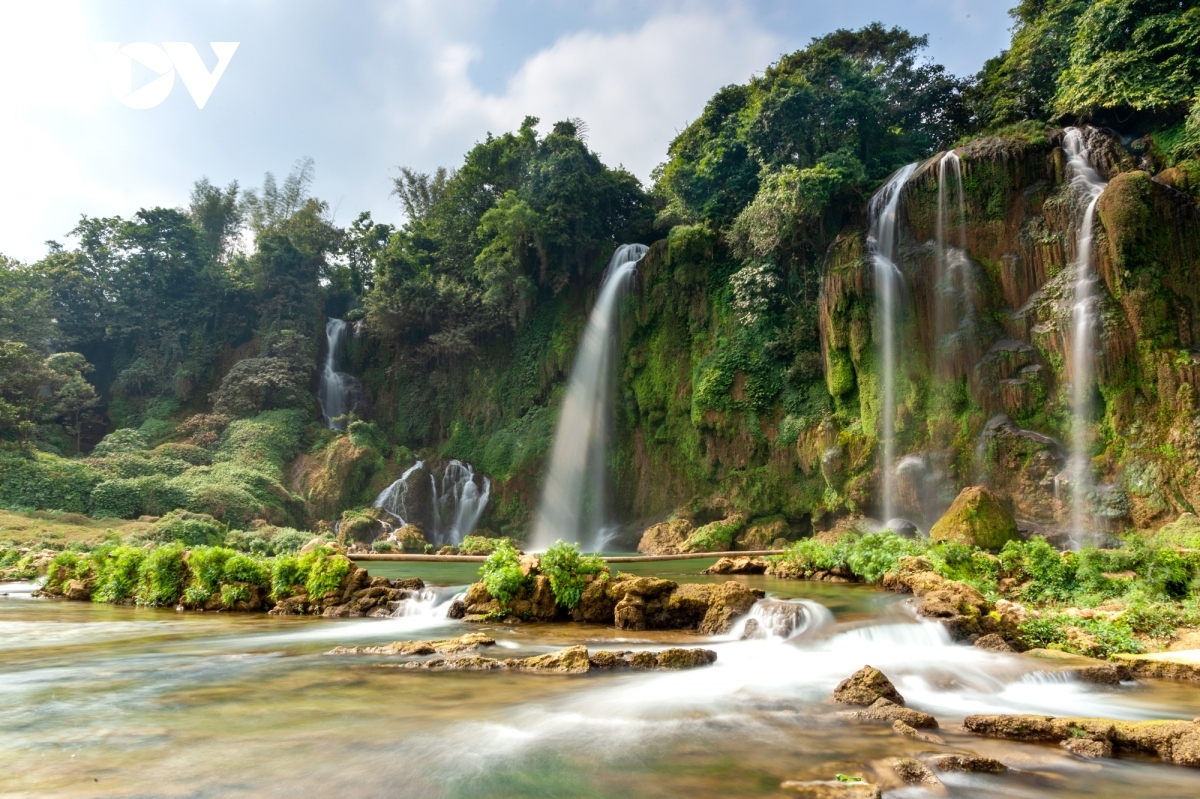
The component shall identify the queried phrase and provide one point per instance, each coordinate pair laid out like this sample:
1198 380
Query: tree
218 214
24 385
72 395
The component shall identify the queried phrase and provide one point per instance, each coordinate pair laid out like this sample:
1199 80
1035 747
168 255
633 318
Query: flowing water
881 240
337 391
100 701
1087 185
573 496
446 506
954 302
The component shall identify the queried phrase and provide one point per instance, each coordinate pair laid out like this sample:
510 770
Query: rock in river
865 686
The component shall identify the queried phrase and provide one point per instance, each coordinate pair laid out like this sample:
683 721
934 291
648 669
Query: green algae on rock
977 517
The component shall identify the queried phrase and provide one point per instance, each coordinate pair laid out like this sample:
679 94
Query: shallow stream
100 701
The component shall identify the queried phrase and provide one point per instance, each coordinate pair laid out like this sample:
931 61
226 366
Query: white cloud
634 89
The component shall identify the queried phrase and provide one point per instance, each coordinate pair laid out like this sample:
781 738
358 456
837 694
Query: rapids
102 701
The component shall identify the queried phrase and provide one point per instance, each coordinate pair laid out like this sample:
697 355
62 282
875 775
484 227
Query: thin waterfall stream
572 503
1087 185
338 392
881 240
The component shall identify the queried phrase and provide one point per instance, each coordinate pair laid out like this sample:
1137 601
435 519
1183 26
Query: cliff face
708 426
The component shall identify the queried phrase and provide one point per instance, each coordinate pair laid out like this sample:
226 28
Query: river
100 701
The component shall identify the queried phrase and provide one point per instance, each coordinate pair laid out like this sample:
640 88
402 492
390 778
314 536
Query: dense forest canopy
178 323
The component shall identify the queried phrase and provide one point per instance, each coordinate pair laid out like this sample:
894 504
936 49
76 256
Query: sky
365 87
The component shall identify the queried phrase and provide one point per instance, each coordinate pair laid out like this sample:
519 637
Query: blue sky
362 87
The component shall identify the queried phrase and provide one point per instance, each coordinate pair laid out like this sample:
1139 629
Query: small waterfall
1087 184
953 301
881 241
448 510
337 392
783 620
572 506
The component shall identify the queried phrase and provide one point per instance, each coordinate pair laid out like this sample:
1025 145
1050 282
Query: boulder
864 687
79 590
833 789
715 536
762 534
738 566
993 642
666 538
410 539
886 710
977 517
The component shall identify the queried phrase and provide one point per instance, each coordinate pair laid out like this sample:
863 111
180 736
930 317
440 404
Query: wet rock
1171 741
761 535
605 660
542 602
903 528
977 517
912 771
79 590
993 642
908 731
572 660
595 606
737 566
666 538
290 606
972 764
446 646
832 789
677 658
1086 747
457 610
1179 665
886 710
864 687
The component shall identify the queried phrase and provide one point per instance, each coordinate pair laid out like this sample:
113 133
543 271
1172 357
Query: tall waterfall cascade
1087 185
337 391
572 503
953 287
881 241
446 506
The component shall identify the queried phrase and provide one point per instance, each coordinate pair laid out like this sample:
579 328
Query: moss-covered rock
665 538
977 517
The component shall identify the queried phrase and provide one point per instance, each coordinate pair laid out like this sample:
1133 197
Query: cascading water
572 506
448 510
881 240
1087 185
953 308
337 391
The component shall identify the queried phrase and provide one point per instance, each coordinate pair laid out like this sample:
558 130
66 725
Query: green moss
976 517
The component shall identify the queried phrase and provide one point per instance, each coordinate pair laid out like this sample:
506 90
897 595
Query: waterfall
451 509
1087 185
881 241
337 392
572 506
953 304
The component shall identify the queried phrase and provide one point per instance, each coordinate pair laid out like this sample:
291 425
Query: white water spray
337 392
572 506
1087 185
881 240
451 510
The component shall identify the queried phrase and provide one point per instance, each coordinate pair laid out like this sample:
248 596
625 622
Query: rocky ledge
1175 742
572 660
358 595
624 601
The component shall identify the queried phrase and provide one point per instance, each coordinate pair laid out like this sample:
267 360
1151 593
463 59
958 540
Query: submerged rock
738 566
833 789
912 771
978 518
1171 741
908 731
464 643
971 764
865 687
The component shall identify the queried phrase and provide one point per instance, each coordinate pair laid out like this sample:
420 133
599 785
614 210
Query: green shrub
568 572
286 576
246 569
383 546
207 567
161 576
47 482
65 567
124 441
191 529
501 573
117 573
479 545
323 569
875 554
287 539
